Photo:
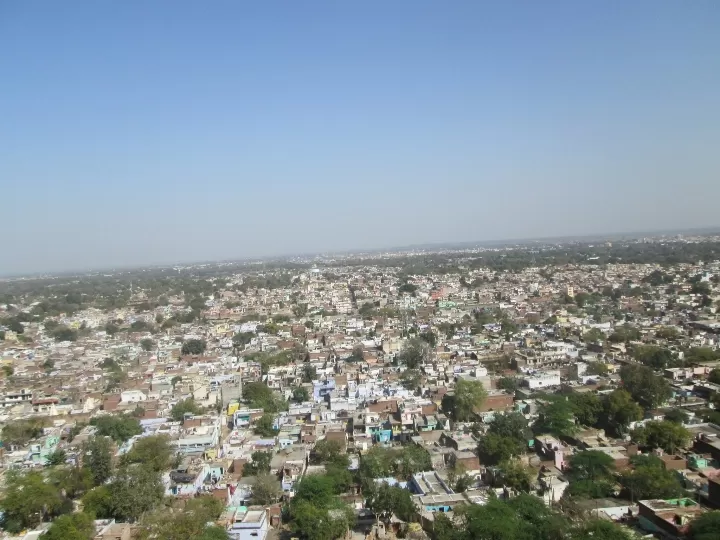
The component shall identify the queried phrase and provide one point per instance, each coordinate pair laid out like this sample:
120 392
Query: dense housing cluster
510 392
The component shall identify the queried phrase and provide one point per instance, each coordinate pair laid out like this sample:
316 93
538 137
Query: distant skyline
136 133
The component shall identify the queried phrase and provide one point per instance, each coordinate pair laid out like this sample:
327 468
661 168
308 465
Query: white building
542 379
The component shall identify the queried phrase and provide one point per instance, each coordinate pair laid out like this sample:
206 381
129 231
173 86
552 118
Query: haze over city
135 133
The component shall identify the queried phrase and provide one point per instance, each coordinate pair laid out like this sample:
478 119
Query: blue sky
142 132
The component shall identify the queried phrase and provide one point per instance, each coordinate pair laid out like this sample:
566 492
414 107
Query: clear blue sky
137 131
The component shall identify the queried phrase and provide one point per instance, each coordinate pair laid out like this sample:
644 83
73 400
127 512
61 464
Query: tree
97 458
593 335
414 353
63 333
241 339
677 416
515 475
27 500
111 329
494 449
429 337
590 474
78 526
666 435
190 522
469 395
597 368
586 407
194 347
714 376
330 452
265 490
147 344
316 511
265 426
600 529
15 326
154 451
646 388
55 458
260 464
72 482
649 480
309 374
119 428
556 418
625 333
411 379
186 406
300 394
49 365
387 500
705 527
619 411
509 384
134 491
21 432
653 356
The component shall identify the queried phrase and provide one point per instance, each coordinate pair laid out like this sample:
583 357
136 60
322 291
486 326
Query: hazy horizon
140 133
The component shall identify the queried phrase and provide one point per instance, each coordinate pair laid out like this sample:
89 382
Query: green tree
154 451
649 480
678 416
556 418
21 432
646 388
194 346
72 482
111 329
599 529
705 527
515 475
619 411
259 465
653 356
147 344
27 500
429 337
411 379
669 436
119 428
468 396
186 406
598 369
241 339
265 426
191 522
509 384
494 449
78 526
414 353
55 458
387 500
714 376
593 335
586 407
330 452
134 491
97 458
590 474
266 490
309 374
300 394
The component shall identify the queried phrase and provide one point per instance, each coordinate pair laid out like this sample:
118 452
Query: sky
139 132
